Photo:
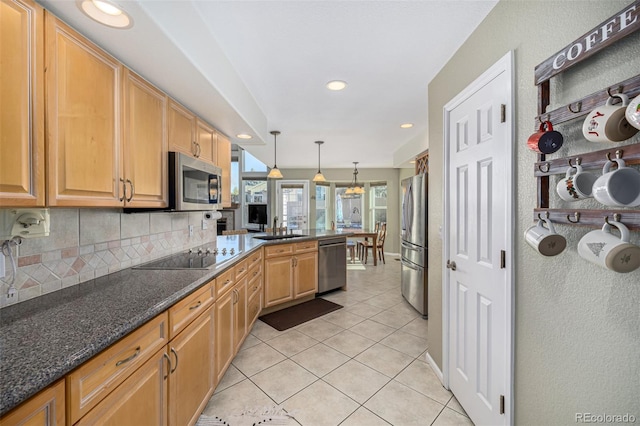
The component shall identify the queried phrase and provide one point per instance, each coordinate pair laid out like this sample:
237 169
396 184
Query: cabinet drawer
96 378
182 313
254 306
255 271
255 281
306 246
241 269
224 282
278 250
255 258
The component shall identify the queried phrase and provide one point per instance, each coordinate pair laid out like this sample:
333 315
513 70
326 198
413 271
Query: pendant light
355 187
319 177
275 172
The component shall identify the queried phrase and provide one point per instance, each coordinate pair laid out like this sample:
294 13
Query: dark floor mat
298 314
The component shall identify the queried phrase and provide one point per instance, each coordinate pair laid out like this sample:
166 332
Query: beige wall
577 327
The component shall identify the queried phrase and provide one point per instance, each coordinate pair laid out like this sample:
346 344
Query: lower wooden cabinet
240 314
290 272
278 280
44 409
139 400
305 280
231 325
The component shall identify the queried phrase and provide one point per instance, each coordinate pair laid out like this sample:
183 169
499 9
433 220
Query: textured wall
577 331
86 244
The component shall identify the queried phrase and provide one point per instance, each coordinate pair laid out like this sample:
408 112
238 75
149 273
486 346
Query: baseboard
434 367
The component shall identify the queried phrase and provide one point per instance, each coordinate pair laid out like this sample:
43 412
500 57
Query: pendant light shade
319 177
275 173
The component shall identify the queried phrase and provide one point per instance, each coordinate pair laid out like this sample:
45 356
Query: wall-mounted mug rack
590 217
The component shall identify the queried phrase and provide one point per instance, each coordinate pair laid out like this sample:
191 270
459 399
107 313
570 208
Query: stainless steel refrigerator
414 242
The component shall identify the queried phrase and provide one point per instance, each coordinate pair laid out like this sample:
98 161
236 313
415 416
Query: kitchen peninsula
45 340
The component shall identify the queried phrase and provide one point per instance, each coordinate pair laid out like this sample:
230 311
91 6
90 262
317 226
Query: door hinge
503 113
503 259
501 404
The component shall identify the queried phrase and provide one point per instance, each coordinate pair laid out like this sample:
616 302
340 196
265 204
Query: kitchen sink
278 237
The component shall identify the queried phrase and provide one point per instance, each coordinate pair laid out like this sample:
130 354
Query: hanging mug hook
576 215
618 90
546 167
578 107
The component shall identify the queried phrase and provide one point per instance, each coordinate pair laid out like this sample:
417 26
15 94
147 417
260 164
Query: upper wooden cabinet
224 162
182 129
83 99
22 104
206 142
145 143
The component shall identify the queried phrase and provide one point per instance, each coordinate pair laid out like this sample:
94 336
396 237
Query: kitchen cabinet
83 100
224 342
191 378
44 409
206 142
22 161
290 272
145 143
224 162
240 314
140 400
182 129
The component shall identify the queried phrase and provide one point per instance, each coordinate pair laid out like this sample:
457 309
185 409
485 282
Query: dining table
364 233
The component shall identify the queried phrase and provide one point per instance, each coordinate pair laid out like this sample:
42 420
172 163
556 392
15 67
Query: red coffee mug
545 140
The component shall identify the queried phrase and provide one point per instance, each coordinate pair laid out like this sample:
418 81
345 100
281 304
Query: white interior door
479 228
293 204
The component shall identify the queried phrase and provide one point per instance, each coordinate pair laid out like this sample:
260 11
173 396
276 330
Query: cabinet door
83 100
191 379
224 162
224 333
145 143
278 280
254 306
22 105
306 274
240 314
44 409
182 126
205 142
139 400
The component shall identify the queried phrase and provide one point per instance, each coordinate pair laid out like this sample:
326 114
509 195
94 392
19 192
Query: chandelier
275 172
354 187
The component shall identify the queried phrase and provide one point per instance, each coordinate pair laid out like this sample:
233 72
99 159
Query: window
235 182
348 209
251 163
253 192
322 203
378 202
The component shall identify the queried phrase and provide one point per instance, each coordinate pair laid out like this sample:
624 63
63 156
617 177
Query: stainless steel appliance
332 264
414 242
193 184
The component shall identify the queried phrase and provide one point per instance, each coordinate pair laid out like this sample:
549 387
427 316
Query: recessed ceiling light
244 136
336 85
106 13
412 161
406 125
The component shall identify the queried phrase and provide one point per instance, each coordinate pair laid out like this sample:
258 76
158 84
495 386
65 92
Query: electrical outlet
191 230
2 267
204 224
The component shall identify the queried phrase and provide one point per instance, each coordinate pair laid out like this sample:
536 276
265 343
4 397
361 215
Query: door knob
451 265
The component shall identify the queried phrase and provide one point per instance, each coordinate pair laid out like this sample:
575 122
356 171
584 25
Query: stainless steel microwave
193 184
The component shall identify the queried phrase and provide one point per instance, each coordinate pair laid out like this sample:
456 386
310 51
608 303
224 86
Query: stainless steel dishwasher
332 264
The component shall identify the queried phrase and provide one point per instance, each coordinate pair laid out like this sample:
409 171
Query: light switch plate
191 230
2 266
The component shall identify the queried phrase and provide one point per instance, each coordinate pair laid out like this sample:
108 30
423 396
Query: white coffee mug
545 241
607 250
577 186
633 112
608 123
618 188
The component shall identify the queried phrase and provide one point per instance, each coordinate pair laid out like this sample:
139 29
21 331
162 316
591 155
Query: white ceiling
256 66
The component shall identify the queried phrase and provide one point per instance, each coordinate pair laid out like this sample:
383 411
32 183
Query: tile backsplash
88 243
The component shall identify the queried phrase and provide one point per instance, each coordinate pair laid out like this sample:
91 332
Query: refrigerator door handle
410 211
410 247
408 265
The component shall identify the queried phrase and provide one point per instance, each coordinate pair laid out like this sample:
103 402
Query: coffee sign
613 29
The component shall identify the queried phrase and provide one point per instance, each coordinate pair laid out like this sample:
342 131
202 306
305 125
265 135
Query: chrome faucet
275 225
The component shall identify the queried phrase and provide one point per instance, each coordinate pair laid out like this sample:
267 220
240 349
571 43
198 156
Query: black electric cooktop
197 258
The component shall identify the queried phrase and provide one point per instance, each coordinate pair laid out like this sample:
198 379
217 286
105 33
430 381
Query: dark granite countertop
43 339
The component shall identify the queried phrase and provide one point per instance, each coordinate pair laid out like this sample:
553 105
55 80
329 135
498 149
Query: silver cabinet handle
124 191
173 351
165 356
451 265
124 361
133 190
194 149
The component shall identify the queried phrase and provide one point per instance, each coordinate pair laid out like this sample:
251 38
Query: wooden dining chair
366 245
235 232
366 241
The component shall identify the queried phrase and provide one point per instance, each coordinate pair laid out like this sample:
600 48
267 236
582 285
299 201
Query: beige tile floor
361 365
